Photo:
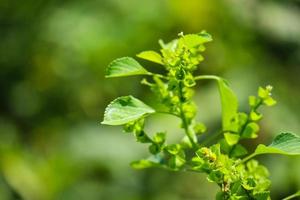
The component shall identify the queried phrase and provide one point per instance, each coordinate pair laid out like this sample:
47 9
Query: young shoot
226 162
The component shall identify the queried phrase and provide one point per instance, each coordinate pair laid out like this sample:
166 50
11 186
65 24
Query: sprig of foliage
227 162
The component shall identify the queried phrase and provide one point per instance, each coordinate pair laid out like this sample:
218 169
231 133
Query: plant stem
297 194
207 77
211 138
185 123
247 158
169 113
245 125
158 75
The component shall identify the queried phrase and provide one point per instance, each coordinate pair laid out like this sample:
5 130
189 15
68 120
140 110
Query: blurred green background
53 56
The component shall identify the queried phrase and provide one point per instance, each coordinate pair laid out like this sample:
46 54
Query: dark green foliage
239 177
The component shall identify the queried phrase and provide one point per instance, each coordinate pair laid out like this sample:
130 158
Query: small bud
180 34
269 88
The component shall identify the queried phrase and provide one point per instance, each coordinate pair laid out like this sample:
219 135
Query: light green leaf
169 46
125 109
238 151
152 161
285 143
175 162
151 56
125 66
269 101
263 93
255 116
253 101
229 105
173 149
159 138
193 40
231 138
266 95
205 36
142 164
265 195
251 130
200 128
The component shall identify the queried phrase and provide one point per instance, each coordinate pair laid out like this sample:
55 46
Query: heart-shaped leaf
125 66
125 109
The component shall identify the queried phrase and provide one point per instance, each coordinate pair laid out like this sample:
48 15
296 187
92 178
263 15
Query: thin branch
168 113
207 77
297 194
158 75
247 158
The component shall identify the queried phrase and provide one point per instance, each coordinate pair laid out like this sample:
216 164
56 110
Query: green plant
227 162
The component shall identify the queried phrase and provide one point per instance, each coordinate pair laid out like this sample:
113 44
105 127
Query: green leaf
152 161
255 116
205 36
168 46
142 164
249 184
251 130
224 145
269 101
151 56
189 80
229 105
253 101
125 109
263 93
193 40
125 66
196 163
173 149
159 137
285 143
231 138
176 162
142 137
238 151
199 128
154 148
265 195
216 149
215 176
